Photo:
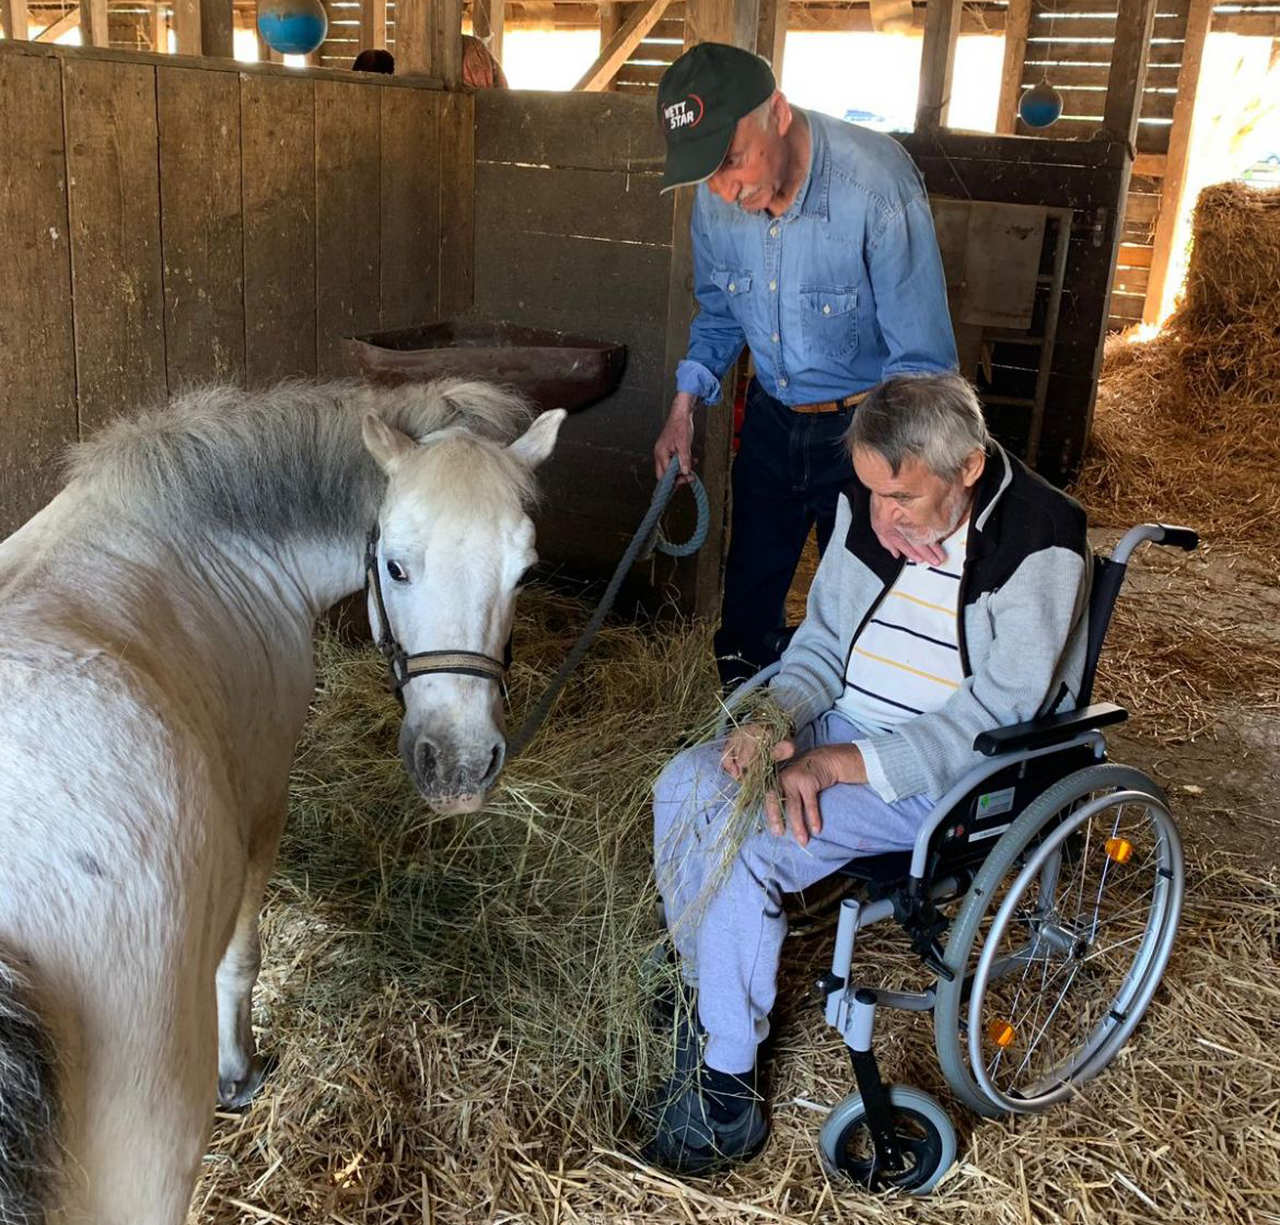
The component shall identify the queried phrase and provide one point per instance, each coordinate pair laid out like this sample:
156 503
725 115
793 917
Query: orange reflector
1000 1032
1119 849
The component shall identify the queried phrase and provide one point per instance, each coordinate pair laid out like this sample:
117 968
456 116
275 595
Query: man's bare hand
676 440
742 748
794 806
899 546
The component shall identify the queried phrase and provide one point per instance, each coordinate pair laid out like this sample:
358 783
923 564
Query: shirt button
826 308
782 382
773 286
774 338
733 288
773 231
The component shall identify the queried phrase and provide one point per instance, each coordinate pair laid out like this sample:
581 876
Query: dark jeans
789 469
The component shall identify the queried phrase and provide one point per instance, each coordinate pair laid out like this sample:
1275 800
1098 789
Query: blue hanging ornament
292 27
1040 106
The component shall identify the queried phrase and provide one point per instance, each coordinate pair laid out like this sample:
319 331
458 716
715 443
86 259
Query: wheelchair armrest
1051 729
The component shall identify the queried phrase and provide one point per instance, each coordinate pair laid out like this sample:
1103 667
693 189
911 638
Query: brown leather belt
831 406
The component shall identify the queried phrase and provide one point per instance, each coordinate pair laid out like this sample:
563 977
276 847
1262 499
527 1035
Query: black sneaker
689 1140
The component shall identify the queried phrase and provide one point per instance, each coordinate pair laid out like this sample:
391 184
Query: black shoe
689 1139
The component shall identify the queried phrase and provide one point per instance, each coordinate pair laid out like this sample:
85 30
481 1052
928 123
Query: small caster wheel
922 1129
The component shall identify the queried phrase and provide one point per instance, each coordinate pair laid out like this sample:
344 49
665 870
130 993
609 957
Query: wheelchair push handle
1185 538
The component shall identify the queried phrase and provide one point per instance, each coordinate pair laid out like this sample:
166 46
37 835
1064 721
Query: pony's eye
397 572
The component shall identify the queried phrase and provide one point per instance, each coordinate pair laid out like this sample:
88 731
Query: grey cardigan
1024 596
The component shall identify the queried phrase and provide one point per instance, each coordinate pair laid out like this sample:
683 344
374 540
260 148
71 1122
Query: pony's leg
240 1069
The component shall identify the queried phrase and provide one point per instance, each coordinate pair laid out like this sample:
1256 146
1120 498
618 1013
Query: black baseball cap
701 97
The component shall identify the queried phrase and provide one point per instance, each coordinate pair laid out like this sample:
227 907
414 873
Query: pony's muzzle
452 777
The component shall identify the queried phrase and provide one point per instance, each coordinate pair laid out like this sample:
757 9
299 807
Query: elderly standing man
894 671
813 244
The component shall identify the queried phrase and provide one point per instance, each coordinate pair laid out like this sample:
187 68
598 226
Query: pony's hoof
237 1094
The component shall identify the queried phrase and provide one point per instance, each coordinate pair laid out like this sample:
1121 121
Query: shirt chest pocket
829 320
736 287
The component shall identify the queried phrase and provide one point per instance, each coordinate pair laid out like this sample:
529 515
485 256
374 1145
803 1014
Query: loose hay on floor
456 1007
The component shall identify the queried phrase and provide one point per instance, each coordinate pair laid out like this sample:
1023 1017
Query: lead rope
648 528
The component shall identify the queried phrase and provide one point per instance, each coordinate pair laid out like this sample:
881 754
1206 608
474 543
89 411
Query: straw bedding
458 1004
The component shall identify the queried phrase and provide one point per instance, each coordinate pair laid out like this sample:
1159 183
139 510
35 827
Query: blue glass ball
292 27
1040 106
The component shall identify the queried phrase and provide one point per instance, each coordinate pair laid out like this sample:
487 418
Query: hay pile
457 1003
1188 424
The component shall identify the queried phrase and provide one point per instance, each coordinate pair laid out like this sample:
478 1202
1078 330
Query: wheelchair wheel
922 1129
1061 942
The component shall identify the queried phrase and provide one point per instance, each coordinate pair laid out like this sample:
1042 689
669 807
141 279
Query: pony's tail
28 1106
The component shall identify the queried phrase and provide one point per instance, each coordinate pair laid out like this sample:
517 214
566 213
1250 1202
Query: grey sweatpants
726 917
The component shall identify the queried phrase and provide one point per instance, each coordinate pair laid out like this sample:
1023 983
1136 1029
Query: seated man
895 669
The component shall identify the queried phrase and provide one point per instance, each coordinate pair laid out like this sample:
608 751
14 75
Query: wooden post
722 21
186 26
612 18
1017 25
1134 22
216 26
937 60
487 19
93 23
159 29
772 34
14 19
644 16
373 25
413 37
445 23
1175 165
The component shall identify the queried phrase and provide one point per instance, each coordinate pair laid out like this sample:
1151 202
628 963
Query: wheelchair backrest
1108 577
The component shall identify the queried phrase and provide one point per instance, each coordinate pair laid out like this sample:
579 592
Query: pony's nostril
425 760
495 761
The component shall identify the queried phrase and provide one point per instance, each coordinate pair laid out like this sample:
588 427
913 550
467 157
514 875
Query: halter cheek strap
403 667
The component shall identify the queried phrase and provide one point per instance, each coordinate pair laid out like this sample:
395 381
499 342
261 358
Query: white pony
155 672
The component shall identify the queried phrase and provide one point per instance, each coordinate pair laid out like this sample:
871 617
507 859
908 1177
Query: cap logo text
687 113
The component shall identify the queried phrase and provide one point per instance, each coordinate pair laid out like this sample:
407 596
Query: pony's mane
288 460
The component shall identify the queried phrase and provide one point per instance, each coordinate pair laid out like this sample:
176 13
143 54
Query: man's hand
676 439
794 806
742 748
899 546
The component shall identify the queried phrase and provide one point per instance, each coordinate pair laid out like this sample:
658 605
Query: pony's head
454 543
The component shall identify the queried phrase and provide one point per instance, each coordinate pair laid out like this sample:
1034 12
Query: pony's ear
538 441
386 444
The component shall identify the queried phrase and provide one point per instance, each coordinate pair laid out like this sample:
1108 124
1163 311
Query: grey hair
935 418
763 114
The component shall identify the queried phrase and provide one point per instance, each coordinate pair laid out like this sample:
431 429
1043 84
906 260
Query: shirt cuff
695 379
876 777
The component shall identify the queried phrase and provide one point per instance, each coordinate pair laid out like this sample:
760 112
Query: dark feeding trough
554 369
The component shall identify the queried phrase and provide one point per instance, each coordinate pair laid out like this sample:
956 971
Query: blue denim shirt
842 291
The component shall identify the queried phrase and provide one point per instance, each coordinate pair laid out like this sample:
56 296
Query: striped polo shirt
906 660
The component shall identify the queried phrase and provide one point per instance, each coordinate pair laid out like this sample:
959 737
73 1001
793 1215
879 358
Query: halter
403 667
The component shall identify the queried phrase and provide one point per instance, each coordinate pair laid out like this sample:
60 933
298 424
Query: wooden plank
37 354
445 20
612 18
201 225
187 26
1126 306
348 179
1134 256
1198 22
587 131
93 23
1254 25
159 28
457 203
1162 56
1131 281
1017 23
14 18
278 133
487 20
1091 103
116 266
410 207
937 63
642 74
619 48
414 45
604 204
216 26
1165 26
373 24
771 35
1153 164
55 30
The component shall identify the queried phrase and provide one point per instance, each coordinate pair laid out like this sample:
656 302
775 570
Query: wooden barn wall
1089 178
572 234
170 221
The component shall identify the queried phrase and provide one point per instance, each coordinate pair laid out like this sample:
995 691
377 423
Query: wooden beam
1175 166
14 18
619 48
1150 165
186 26
487 20
1017 23
413 37
159 29
857 20
937 62
445 24
772 35
1134 20
613 17
51 33
216 25
722 21
373 24
93 23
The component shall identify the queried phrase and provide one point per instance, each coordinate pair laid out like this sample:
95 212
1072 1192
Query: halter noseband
403 667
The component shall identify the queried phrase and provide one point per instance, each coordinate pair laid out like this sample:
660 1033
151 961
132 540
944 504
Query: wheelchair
1043 894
